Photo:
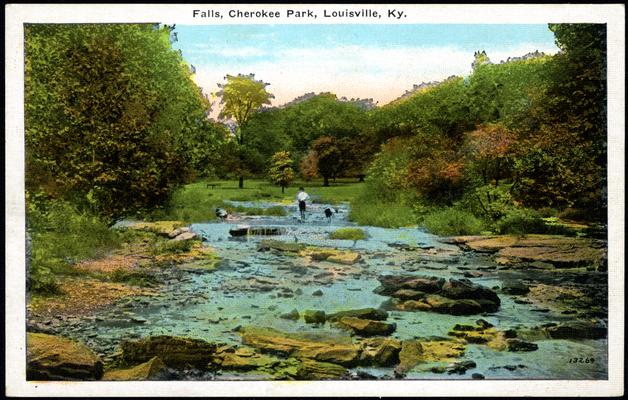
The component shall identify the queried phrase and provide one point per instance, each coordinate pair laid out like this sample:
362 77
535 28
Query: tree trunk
361 178
241 184
325 181
282 189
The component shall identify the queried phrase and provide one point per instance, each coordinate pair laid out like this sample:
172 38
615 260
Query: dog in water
328 214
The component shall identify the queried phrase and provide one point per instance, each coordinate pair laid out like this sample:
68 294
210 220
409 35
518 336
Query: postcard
309 200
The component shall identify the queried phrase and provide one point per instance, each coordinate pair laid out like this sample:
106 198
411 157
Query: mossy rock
348 234
50 357
269 244
364 313
150 370
309 369
366 327
161 228
176 352
379 351
329 349
314 316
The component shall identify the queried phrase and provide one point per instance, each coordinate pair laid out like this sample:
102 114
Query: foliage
452 221
521 221
348 234
488 151
387 175
241 96
280 170
110 114
309 166
328 155
370 209
60 236
134 278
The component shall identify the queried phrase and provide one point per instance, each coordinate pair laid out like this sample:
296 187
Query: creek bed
255 288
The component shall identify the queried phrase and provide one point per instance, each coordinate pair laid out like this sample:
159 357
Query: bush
172 247
521 221
452 222
348 234
62 236
367 209
276 211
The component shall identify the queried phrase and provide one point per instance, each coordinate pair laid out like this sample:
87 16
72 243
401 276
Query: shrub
452 221
366 209
521 221
61 236
348 234
172 247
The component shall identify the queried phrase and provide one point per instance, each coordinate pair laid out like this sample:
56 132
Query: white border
16 15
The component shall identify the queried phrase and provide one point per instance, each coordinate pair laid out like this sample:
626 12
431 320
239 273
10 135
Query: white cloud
355 71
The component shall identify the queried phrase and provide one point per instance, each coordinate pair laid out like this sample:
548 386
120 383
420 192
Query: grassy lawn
197 202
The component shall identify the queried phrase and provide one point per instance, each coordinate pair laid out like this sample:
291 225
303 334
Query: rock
175 352
577 330
245 230
51 357
152 369
515 288
475 375
315 370
345 258
162 228
329 349
186 236
266 245
314 316
520 345
408 294
460 367
241 359
380 352
367 327
292 315
317 293
364 313
390 284
298 291
409 356
178 231
465 289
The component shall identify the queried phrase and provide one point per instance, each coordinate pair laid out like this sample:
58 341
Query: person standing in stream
302 197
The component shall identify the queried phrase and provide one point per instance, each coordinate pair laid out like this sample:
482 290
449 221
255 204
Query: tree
309 166
108 110
328 155
242 96
280 171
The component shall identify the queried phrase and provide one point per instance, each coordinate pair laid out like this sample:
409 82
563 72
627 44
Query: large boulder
374 314
380 351
367 327
51 357
465 289
577 330
409 356
314 316
330 349
152 369
392 283
176 352
308 369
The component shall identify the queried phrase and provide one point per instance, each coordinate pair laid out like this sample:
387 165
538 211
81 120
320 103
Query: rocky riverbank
399 304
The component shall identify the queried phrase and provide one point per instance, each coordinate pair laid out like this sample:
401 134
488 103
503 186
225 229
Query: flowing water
255 288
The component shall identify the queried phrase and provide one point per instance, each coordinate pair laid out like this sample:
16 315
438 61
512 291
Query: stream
255 288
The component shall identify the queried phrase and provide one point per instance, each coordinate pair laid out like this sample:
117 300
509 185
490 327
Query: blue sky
367 61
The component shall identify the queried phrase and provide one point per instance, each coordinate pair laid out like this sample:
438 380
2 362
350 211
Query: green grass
196 202
452 221
62 236
348 234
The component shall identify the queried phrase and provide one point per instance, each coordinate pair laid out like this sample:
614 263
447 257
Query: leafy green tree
242 96
329 157
280 171
108 111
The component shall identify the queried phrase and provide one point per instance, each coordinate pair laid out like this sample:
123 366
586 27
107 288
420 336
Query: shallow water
211 305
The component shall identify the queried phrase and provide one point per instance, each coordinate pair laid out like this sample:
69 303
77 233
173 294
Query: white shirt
302 196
